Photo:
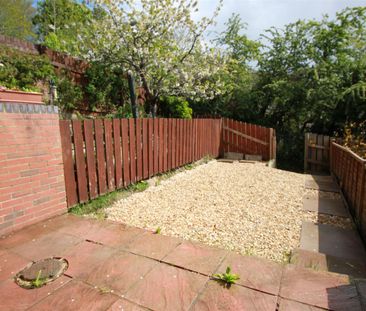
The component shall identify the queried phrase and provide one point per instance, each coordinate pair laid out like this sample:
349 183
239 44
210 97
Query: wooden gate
316 157
249 139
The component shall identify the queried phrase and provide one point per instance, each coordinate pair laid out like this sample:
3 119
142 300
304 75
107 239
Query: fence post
306 152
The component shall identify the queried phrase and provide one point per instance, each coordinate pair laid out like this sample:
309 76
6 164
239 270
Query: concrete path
331 207
115 267
327 247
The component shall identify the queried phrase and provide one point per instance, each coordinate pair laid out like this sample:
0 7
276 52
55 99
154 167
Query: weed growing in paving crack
158 230
228 278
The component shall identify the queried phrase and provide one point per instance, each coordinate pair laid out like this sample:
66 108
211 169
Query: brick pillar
32 184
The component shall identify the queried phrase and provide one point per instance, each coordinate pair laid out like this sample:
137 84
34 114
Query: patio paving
116 267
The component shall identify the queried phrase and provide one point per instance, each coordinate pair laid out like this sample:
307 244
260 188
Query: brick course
31 170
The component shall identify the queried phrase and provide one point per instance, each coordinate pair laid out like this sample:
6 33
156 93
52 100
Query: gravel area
248 208
341 222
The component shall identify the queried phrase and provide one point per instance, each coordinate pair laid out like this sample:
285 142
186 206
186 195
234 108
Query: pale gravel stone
250 209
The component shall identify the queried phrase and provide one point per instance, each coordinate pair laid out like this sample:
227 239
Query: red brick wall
31 170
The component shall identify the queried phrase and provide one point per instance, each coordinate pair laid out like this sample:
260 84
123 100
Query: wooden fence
350 170
316 153
103 155
248 138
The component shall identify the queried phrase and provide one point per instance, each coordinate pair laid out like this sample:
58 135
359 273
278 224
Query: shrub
176 107
25 72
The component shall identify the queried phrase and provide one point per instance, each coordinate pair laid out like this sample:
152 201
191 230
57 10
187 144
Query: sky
262 14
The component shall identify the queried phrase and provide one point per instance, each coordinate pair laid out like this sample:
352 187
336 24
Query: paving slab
76 296
167 288
124 305
321 178
253 157
326 206
196 257
255 273
225 160
85 257
234 156
331 240
120 272
320 289
217 297
49 245
322 185
16 298
152 245
322 262
114 235
11 264
25 235
289 305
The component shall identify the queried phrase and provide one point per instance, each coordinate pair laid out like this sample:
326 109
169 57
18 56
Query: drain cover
39 273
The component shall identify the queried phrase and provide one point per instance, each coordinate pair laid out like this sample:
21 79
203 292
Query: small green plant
227 277
158 230
38 282
97 206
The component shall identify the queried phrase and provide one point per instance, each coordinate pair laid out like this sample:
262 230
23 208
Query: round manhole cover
39 273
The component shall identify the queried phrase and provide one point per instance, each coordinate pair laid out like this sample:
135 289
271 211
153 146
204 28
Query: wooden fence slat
132 140
125 152
169 149
174 142
109 153
80 161
90 158
151 145
69 170
156 146
139 165
101 165
145 155
165 144
117 152
161 145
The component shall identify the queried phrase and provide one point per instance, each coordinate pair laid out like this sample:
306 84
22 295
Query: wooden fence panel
69 170
139 165
132 140
316 153
80 161
145 143
125 152
170 143
156 146
174 142
109 153
161 145
151 144
117 152
99 139
90 158
165 154
350 171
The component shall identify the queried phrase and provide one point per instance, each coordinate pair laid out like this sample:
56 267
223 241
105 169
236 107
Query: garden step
324 262
325 206
331 240
234 156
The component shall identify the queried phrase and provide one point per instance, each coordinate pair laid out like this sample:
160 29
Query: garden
174 156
